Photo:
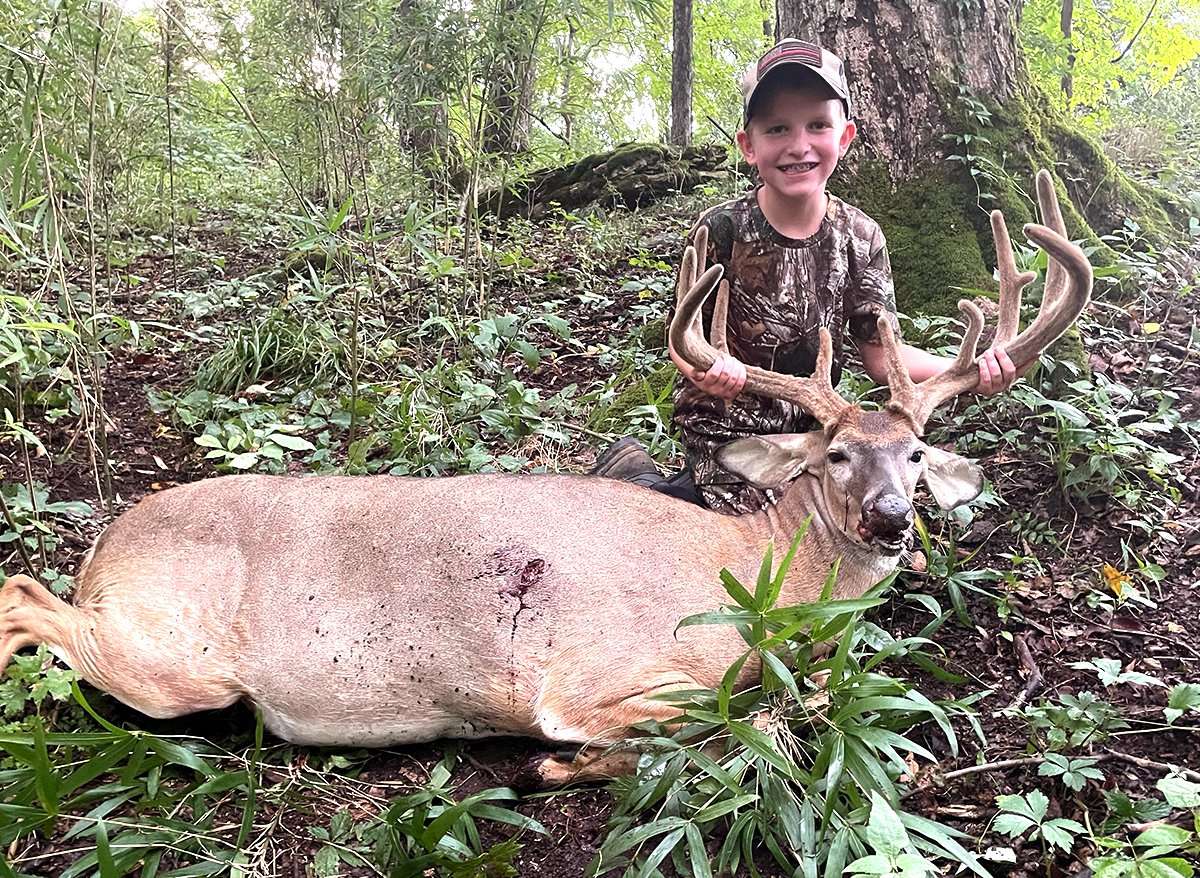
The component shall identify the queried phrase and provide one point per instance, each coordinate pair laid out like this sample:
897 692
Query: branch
1136 34
1107 755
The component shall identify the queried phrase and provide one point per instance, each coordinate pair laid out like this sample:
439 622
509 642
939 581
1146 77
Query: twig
1136 34
1023 761
1150 763
1033 673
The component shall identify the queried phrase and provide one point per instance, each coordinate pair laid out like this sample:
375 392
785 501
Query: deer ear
770 461
952 479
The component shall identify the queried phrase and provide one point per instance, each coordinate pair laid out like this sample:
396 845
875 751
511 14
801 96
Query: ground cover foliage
219 255
1027 694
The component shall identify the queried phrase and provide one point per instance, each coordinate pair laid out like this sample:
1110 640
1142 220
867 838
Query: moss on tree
932 239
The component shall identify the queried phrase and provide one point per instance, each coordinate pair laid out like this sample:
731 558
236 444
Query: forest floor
1021 644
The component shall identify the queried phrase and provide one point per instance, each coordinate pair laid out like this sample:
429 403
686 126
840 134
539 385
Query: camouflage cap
810 56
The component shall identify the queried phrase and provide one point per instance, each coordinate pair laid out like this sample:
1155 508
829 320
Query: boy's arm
997 372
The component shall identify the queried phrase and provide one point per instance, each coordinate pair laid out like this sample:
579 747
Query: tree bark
1064 24
895 50
681 73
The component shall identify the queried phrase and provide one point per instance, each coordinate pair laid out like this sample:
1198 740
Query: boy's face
795 139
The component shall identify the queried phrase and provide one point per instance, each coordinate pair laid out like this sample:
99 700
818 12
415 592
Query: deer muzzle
886 520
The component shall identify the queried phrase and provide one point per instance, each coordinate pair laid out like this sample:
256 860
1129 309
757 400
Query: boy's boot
627 460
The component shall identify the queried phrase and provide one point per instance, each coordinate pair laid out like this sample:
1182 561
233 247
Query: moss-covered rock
653 334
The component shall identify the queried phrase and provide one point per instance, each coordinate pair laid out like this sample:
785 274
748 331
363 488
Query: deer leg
589 765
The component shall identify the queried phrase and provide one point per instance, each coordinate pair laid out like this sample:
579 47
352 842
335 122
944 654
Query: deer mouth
884 543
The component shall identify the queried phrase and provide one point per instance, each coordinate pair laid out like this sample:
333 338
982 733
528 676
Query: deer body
381 610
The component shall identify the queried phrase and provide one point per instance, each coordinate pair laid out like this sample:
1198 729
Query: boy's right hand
725 378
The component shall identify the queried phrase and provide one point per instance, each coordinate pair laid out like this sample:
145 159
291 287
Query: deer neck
823 544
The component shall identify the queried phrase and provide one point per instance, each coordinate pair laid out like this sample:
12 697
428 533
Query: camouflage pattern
782 290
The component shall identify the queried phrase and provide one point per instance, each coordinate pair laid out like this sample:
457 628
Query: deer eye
835 456
917 456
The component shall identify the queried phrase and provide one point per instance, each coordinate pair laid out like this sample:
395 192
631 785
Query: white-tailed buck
382 610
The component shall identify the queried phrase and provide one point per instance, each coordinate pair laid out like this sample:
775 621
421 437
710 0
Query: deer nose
888 515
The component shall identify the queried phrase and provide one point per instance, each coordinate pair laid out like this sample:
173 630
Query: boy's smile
796 140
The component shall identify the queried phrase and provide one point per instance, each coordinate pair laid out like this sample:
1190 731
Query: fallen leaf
1114 579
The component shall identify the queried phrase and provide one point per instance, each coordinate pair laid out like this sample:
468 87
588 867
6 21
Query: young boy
796 259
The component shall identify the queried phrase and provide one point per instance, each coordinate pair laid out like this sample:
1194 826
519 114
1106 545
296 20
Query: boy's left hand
997 372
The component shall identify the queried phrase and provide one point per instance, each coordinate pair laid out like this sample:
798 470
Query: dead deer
382 610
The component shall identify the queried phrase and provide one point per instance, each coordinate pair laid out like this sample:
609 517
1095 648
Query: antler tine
694 257
1011 283
1062 304
903 390
1056 276
1055 316
720 335
816 394
960 377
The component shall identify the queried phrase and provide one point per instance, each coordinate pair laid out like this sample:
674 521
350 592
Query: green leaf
737 591
762 586
1183 697
245 460
725 692
697 854
761 744
875 864
1179 792
1163 835
1013 825
1061 832
723 807
885 832
780 670
104 858
292 443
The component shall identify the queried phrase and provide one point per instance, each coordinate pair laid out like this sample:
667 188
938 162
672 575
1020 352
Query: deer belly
389 677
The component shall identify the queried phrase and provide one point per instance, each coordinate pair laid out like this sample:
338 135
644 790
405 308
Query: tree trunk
894 50
681 73
510 83
1064 24
951 126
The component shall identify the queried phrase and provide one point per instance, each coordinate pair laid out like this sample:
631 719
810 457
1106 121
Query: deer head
869 462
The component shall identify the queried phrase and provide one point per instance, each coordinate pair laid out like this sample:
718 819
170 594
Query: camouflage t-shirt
781 292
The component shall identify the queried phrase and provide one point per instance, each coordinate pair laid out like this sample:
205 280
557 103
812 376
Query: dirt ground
1020 659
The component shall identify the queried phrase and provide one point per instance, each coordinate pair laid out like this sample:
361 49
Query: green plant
1026 814
1184 697
26 684
894 855
27 526
1158 852
945 567
1122 809
279 348
1073 773
431 830
1110 673
786 765
1072 721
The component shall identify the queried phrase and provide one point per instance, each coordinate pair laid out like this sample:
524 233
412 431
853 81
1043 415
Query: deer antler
1068 285
815 395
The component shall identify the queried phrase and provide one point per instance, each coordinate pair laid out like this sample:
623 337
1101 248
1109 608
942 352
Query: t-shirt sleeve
871 293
